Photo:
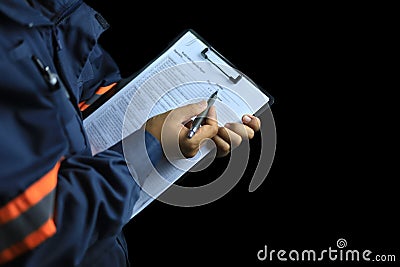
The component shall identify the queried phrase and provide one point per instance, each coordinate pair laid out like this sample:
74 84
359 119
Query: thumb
185 113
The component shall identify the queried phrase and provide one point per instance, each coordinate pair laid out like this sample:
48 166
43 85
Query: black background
330 68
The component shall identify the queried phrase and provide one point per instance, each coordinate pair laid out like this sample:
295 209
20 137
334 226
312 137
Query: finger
252 121
212 117
243 130
223 147
204 132
185 113
207 130
190 146
229 136
189 124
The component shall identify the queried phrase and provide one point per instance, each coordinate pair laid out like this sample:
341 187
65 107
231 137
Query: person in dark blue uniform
59 204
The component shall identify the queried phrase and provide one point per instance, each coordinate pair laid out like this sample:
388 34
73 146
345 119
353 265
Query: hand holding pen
202 116
166 126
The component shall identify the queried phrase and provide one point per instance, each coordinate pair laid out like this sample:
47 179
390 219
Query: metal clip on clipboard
234 80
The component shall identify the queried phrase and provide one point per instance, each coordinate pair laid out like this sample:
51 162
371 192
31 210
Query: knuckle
226 148
251 133
256 126
214 130
222 131
258 123
238 141
195 148
190 154
192 147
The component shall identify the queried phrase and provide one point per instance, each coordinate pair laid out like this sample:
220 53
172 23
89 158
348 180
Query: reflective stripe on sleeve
101 91
27 220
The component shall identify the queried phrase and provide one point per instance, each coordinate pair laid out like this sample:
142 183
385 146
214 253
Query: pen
202 116
50 77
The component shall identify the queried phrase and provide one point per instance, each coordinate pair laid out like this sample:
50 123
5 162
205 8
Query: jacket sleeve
93 199
96 196
56 205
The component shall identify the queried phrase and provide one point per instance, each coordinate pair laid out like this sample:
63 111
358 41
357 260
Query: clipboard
201 73
209 49
242 75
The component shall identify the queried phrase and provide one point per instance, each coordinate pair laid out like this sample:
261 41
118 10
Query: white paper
181 75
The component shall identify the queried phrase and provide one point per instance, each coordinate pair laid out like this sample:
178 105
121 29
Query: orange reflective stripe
30 197
31 241
104 89
83 106
27 220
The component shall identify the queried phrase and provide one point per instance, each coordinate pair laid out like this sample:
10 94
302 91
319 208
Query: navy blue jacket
59 204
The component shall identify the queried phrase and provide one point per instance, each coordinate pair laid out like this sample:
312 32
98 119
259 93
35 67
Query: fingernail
246 119
227 125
